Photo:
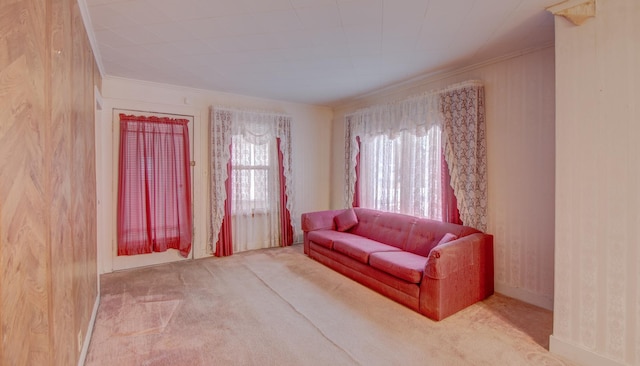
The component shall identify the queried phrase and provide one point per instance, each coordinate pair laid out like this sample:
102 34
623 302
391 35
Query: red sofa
432 267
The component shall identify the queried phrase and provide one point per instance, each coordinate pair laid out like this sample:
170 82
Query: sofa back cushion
425 234
384 227
447 238
346 220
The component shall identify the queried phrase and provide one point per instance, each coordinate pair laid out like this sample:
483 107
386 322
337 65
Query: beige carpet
278 307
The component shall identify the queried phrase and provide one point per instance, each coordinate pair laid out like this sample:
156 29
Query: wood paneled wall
48 283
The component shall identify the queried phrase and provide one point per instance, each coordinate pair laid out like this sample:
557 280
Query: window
250 191
402 173
251 177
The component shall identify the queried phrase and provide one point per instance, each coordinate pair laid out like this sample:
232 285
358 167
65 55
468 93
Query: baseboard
578 354
524 295
89 332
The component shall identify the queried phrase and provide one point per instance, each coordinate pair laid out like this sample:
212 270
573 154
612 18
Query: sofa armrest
318 220
457 274
456 255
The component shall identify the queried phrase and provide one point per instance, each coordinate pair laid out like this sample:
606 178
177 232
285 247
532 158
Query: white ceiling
308 51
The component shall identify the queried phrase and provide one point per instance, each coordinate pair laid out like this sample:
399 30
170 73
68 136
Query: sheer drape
251 153
402 174
154 186
395 161
396 148
255 192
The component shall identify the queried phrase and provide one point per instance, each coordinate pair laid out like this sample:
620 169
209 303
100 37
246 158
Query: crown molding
575 11
88 25
424 79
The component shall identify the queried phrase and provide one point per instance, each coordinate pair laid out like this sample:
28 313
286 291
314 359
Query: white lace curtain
465 136
402 142
255 205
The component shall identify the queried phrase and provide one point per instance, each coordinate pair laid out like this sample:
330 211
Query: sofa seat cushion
404 265
360 248
326 238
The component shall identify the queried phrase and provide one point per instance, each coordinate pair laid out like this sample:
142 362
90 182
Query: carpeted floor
278 307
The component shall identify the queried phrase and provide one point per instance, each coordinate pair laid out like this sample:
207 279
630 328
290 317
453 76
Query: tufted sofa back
425 234
385 227
409 233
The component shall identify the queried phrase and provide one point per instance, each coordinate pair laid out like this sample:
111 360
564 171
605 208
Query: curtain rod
153 112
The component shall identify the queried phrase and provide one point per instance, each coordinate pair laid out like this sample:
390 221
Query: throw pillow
447 238
346 220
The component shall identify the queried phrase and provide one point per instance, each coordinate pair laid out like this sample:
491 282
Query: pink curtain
224 245
286 229
154 186
450 212
356 191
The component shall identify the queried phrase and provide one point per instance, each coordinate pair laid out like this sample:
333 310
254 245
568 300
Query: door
139 260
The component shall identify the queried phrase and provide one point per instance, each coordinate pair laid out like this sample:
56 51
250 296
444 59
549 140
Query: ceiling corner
88 25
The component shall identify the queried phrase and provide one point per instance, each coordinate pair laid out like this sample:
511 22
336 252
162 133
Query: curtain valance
256 127
415 114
